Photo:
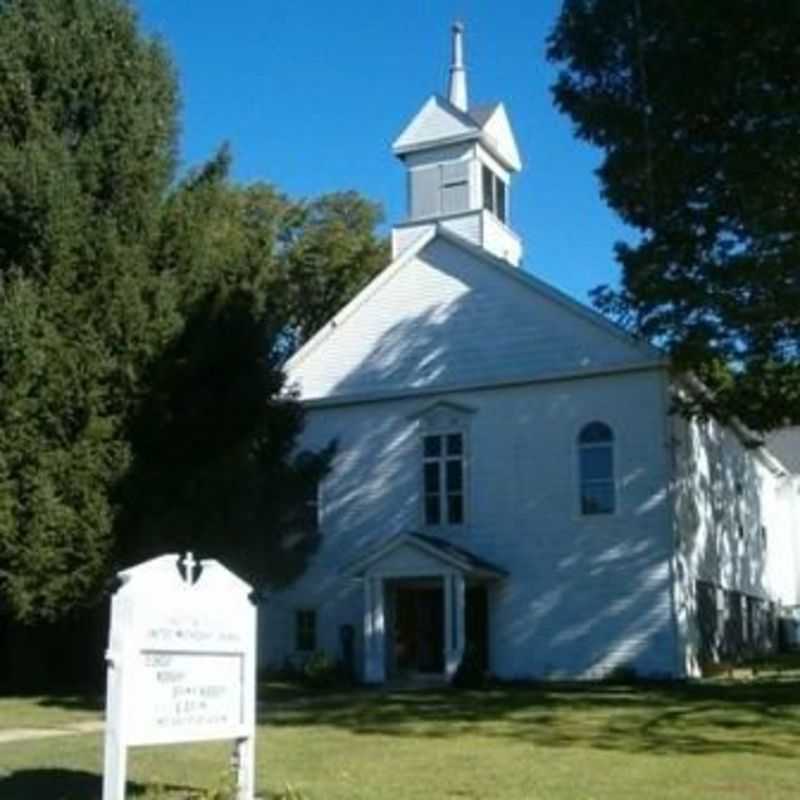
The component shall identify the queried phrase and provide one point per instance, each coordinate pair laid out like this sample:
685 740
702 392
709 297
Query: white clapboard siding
736 524
735 514
726 495
452 316
583 596
499 239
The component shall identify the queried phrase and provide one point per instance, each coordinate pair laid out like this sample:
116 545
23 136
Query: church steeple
457 85
460 161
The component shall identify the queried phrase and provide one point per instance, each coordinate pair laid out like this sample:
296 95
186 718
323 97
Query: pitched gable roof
551 292
482 113
497 132
439 122
362 297
447 315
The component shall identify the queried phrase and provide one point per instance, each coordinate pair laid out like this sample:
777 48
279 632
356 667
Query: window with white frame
443 478
596 469
306 630
494 194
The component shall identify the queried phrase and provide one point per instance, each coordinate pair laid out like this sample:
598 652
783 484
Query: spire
457 84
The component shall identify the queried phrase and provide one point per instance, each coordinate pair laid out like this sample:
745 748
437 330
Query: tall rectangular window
306 630
596 469
500 199
443 479
494 194
488 189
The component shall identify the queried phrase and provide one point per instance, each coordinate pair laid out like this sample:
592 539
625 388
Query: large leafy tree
331 251
697 109
214 437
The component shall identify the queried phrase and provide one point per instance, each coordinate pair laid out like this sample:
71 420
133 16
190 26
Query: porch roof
449 554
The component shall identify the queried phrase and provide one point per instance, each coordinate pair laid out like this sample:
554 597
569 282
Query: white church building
509 477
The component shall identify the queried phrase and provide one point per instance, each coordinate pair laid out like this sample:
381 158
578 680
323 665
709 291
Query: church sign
181 665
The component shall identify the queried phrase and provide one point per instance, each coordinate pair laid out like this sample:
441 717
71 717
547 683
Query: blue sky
311 94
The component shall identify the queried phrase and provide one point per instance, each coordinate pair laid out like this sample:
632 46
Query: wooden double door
419 629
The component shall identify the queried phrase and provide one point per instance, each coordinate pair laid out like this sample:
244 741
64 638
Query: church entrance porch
416 614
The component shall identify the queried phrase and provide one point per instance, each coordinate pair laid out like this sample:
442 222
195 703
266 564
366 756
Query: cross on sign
190 565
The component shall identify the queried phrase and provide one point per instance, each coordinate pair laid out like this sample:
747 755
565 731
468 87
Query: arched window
596 469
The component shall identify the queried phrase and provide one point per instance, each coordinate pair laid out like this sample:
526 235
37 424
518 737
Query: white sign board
181 665
189 696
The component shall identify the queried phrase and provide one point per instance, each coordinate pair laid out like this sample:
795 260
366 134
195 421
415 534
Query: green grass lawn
718 739
48 712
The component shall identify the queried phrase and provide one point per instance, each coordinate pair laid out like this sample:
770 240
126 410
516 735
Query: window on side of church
306 630
596 469
494 194
500 199
443 478
303 512
488 189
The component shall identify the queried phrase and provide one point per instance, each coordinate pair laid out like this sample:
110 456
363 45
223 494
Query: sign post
181 665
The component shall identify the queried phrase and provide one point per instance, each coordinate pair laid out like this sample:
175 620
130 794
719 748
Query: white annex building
509 477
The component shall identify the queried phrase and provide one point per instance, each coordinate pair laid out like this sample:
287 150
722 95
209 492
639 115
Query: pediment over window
444 415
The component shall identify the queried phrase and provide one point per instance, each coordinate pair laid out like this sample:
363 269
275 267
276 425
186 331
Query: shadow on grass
73 702
38 784
68 700
693 719
66 784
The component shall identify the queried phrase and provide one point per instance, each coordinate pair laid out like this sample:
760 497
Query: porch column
374 631
454 621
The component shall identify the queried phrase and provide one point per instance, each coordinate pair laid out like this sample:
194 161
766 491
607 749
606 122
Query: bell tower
460 160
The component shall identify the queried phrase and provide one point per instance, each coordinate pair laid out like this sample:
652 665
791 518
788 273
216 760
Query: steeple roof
442 121
482 114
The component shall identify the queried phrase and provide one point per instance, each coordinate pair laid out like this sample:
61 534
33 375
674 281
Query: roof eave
511 164
490 143
427 144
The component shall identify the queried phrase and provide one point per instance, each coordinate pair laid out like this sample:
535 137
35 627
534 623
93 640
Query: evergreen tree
87 137
697 109
143 323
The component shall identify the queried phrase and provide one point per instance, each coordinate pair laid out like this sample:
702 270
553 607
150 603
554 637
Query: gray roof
784 444
482 113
